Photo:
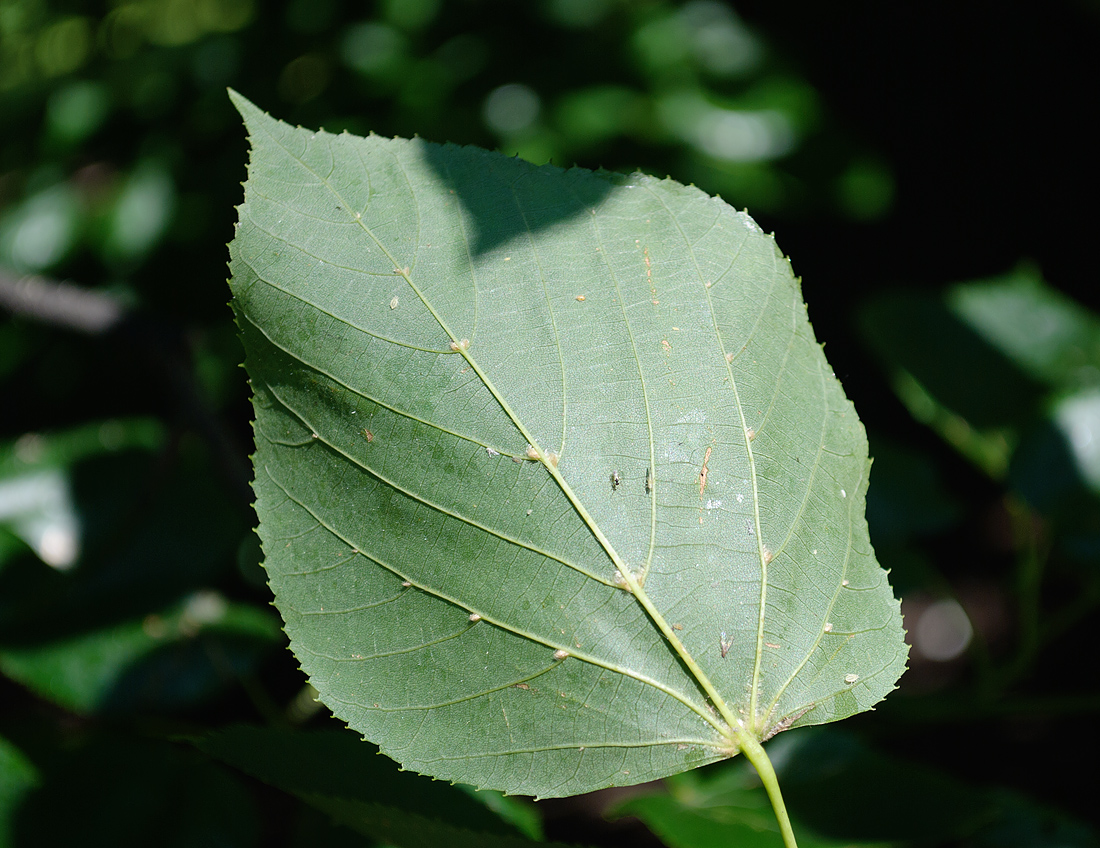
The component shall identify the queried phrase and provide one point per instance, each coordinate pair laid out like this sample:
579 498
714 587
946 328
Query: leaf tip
243 105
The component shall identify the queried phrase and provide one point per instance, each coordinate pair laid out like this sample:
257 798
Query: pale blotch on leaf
560 654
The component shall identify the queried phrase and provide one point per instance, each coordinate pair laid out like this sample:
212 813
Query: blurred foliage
897 150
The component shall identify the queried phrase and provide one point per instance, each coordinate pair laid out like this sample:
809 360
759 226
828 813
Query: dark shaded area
158 794
484 185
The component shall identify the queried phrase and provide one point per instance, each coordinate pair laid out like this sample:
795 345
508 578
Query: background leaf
339 775
550 454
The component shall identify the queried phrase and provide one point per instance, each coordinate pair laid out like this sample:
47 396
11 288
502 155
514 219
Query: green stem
755 754
1031 560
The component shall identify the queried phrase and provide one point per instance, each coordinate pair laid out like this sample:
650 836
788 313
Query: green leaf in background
18 776
556 488
168 659
1007 370
338 774
121 622
840 792
984 360
112 789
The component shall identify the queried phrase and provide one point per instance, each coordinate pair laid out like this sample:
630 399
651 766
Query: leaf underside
556 488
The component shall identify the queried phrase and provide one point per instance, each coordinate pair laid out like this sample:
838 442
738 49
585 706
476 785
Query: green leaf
164 660
18 776
105 788
725 805
336 773
556 488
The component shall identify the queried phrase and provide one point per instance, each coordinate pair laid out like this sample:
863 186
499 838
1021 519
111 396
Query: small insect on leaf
394 302
725 643
560 654
649 481
616 480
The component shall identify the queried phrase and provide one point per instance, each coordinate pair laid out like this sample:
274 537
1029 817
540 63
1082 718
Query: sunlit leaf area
929 173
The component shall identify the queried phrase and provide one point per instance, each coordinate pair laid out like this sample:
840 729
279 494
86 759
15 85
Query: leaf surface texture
556 488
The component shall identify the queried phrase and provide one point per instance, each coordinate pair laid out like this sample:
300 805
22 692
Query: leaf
556 488
163 661
337 774
18 776
128 791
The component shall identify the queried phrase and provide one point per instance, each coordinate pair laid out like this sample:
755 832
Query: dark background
920 146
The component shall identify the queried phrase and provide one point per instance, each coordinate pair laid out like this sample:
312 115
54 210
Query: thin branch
61 304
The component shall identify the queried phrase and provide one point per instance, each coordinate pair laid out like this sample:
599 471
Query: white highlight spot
696 416
511 108
943 631
58 546
843 493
